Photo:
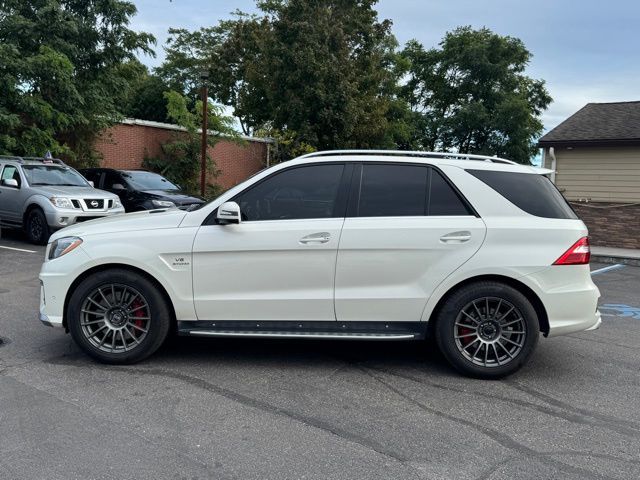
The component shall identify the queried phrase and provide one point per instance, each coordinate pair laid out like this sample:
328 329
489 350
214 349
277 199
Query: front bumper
46 321
60 218
56 277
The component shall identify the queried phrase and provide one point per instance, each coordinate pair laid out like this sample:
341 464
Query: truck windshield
53 175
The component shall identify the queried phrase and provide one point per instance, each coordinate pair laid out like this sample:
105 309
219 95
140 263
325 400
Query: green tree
181 158
472 95
145 99
229 53
61 73
321 74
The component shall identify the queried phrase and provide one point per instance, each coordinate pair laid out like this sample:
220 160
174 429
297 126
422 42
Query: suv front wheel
487 330
37 228
118 317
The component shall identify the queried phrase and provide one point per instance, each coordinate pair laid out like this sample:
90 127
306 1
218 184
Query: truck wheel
37 227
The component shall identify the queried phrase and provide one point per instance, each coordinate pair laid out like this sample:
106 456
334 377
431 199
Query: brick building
595 154
126 145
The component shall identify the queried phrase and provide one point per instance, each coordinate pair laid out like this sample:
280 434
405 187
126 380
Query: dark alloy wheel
117 316
487 330
37 227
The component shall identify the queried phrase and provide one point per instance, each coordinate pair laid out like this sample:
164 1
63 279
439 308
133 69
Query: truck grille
94 204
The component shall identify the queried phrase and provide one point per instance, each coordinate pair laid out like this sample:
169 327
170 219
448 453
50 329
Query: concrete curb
635 262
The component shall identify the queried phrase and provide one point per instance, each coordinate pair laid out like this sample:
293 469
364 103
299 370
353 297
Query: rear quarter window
533 193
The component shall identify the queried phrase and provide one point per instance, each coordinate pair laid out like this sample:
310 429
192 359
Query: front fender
38 200
165 256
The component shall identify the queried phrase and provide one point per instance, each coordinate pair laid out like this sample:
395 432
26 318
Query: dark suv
140 189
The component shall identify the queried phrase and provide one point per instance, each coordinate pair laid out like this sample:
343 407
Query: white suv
479 252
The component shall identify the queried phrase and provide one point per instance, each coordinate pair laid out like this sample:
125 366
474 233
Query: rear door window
533 193
397 190
393 190
443 199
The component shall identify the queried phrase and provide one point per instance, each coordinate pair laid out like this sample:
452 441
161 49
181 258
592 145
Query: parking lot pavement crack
279 411
560 411
626 427
601 342
603 456
495 435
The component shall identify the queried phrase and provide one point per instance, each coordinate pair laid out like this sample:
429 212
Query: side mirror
91 183
117 186
10 182
229 212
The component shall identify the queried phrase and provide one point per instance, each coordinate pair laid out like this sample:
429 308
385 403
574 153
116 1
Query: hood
72 192
176 196
126 222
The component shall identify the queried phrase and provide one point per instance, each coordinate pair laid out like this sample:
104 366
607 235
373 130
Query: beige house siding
603 174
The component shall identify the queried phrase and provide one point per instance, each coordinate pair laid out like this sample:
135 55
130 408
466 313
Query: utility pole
204 76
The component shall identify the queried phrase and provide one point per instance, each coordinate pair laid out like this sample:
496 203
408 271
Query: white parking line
18 249
608 269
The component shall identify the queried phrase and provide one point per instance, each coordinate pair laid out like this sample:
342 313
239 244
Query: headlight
61 202
62 246
163 203
117 203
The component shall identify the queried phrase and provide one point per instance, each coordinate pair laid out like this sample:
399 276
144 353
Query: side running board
310 330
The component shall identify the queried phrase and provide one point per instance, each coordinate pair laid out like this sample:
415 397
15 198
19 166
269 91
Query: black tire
37 228
477 317
124 284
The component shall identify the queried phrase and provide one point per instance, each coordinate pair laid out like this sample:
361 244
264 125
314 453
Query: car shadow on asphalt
300 353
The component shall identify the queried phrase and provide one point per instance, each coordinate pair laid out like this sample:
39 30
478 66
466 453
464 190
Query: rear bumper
569 296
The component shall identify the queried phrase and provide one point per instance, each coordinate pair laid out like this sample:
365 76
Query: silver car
43 195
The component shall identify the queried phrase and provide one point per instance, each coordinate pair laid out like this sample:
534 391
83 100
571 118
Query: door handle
314 238
456 237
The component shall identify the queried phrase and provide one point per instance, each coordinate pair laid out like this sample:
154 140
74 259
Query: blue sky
586 50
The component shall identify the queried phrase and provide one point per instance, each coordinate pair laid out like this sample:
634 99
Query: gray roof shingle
598 124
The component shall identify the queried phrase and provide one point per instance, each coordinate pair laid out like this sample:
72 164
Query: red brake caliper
464 331
137 303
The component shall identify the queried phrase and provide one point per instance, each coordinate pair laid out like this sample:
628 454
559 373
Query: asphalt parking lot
247 409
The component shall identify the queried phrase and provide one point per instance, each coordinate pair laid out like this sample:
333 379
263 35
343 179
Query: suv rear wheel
487 330
118 317
37 227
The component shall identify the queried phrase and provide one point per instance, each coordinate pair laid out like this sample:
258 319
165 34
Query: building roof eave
170 126
625 142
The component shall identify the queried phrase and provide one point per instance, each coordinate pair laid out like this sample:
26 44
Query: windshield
53 175
148 181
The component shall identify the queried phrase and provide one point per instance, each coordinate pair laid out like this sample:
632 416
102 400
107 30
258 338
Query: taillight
578 254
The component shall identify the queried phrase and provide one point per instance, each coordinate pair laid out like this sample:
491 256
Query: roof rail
15 158
12 157
403 153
